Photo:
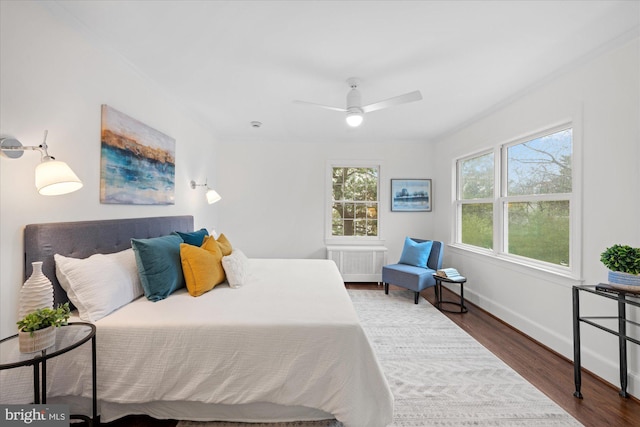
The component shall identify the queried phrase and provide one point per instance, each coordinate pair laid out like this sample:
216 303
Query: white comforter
289 336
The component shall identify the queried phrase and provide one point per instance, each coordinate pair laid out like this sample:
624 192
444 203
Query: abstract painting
411 195
137 163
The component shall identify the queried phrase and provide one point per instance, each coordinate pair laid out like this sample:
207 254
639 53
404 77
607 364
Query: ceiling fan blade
396 100
313 104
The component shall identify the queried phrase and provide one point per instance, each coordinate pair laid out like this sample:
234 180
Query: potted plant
623 263
37 330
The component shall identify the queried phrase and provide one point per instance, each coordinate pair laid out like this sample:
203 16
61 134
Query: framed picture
137 162
411 195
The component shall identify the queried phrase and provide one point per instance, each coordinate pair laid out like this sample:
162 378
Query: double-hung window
354 213
476 188
517 201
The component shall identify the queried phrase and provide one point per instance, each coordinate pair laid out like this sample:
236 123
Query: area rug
439 375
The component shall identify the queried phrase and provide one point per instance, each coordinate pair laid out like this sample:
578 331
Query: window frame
501 200
330 239
459 202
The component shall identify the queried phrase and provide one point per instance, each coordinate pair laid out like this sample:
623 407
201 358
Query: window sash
459 174
501 201
503 166
368 205
550 249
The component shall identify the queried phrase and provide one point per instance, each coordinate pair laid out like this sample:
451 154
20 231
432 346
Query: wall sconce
212 195
53 177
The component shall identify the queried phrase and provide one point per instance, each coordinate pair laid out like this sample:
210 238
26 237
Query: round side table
68 337
461 280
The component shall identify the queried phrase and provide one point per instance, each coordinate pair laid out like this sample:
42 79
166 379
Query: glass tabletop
68 337
454 279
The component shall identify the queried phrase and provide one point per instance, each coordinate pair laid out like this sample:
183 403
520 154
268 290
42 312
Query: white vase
37 292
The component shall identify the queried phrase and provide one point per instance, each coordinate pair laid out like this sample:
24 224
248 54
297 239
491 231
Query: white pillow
99 284
236 267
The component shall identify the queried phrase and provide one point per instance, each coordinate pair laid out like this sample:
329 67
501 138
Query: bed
285 346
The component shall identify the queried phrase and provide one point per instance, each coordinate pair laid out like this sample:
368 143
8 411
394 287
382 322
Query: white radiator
359 263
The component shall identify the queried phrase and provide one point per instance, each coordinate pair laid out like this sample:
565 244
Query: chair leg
386 288
416 296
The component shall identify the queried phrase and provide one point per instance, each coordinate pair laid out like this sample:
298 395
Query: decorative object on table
137 164
37 330
37 292
623 262
613 288
450 273
411 195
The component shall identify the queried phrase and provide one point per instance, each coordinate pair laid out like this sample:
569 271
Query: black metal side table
68 338
461 280
607 324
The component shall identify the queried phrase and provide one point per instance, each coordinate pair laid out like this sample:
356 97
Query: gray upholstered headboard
85 238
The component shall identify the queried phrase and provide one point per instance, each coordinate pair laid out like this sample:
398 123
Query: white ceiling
232 62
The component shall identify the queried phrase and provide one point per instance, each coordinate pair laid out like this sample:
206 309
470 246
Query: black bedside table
68 338
439 301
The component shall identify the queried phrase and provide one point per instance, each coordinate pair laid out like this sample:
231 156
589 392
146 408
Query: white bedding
289 336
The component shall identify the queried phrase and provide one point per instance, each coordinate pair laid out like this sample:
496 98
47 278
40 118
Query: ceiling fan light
354 118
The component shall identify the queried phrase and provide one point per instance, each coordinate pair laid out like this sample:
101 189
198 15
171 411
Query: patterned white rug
439 375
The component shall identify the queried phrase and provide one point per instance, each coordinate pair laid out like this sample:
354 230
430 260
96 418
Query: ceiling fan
355 110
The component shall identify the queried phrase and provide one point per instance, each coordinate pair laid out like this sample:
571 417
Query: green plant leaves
45 317
622 258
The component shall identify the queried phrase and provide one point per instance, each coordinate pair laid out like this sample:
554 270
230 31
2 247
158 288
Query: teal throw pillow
159 265
194 238
414 253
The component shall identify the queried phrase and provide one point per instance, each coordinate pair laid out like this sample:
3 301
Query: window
537 197
476 196
518 201
354 201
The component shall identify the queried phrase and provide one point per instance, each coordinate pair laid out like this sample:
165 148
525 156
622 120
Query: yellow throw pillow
210 244
202 269
225 245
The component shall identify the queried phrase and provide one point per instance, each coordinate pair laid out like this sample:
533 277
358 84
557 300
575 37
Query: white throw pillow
99 284
236 267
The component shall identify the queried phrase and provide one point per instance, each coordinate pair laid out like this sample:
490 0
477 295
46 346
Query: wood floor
548 371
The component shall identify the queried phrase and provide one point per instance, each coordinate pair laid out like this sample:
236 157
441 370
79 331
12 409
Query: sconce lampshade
212 196
54 177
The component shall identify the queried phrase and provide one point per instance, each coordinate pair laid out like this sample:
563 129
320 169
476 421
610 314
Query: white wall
52 77
603 96
274 195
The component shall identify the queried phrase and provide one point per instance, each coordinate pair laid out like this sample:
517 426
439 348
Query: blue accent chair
412 277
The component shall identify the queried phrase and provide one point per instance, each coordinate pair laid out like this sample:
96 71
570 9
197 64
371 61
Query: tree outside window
534 198
476 195
538 198
354 201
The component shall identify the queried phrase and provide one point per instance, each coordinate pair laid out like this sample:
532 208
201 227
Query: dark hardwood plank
140 421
